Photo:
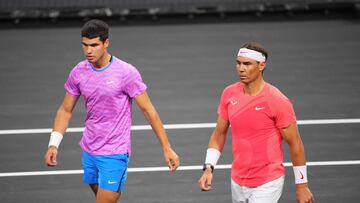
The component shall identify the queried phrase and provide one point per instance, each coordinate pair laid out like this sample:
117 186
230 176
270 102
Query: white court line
158 169
180 126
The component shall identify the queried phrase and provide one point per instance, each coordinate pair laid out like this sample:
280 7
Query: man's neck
103 61
254 88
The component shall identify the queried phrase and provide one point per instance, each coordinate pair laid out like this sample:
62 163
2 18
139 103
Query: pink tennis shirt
256 140
108 94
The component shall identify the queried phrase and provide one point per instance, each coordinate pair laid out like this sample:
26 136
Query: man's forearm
217 140
154 120
297 154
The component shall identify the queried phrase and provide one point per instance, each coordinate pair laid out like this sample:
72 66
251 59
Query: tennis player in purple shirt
108 86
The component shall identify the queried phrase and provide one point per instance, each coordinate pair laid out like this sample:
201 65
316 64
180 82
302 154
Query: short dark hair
256 46
95 28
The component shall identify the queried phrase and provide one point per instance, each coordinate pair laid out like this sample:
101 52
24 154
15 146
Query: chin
91 60
244 81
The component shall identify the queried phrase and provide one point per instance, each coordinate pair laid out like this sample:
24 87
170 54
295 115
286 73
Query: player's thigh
107 196
268 193
90 169
112 171
94 187
238 193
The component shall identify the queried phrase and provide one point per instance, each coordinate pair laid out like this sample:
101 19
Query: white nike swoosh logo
110 182
259 108
109 82
233 102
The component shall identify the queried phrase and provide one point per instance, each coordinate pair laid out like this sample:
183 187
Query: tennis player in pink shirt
260 117
108 86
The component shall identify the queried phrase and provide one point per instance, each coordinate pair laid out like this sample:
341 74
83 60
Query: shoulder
277 100
80 66
232 87
126 71
274 93
124 66
78 69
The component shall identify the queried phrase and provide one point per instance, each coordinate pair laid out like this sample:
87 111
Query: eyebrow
93 44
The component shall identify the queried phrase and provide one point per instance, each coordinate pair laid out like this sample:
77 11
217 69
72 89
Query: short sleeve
222 108
72 85
134 84
284 112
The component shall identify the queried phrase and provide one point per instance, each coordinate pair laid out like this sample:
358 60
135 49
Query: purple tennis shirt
108 94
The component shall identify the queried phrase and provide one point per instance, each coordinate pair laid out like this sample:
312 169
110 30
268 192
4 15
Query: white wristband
300 174
55 139
212 156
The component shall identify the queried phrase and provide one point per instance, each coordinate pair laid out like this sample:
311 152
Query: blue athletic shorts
109 171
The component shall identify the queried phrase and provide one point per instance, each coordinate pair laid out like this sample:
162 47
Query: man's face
248 69
94 48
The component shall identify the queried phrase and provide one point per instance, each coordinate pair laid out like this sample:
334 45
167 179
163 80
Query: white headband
251 54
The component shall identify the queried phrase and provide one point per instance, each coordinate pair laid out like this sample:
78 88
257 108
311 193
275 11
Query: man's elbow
64 110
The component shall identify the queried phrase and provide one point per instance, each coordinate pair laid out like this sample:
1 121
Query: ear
262 66
106 43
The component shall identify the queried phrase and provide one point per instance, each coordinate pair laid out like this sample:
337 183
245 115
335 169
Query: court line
181 126
159 169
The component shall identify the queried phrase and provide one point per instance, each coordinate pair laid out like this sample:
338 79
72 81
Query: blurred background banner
58 9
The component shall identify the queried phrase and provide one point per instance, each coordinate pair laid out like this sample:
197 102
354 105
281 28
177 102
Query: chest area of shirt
100 85
252 113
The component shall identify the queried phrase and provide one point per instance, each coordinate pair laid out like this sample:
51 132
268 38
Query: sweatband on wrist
252 54
212 156
300 174
55 139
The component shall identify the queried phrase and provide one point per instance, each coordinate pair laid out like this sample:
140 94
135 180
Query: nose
240 67
87 49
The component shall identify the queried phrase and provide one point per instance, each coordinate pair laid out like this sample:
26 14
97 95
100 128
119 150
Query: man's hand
50 156
303 194
171 158
205 180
